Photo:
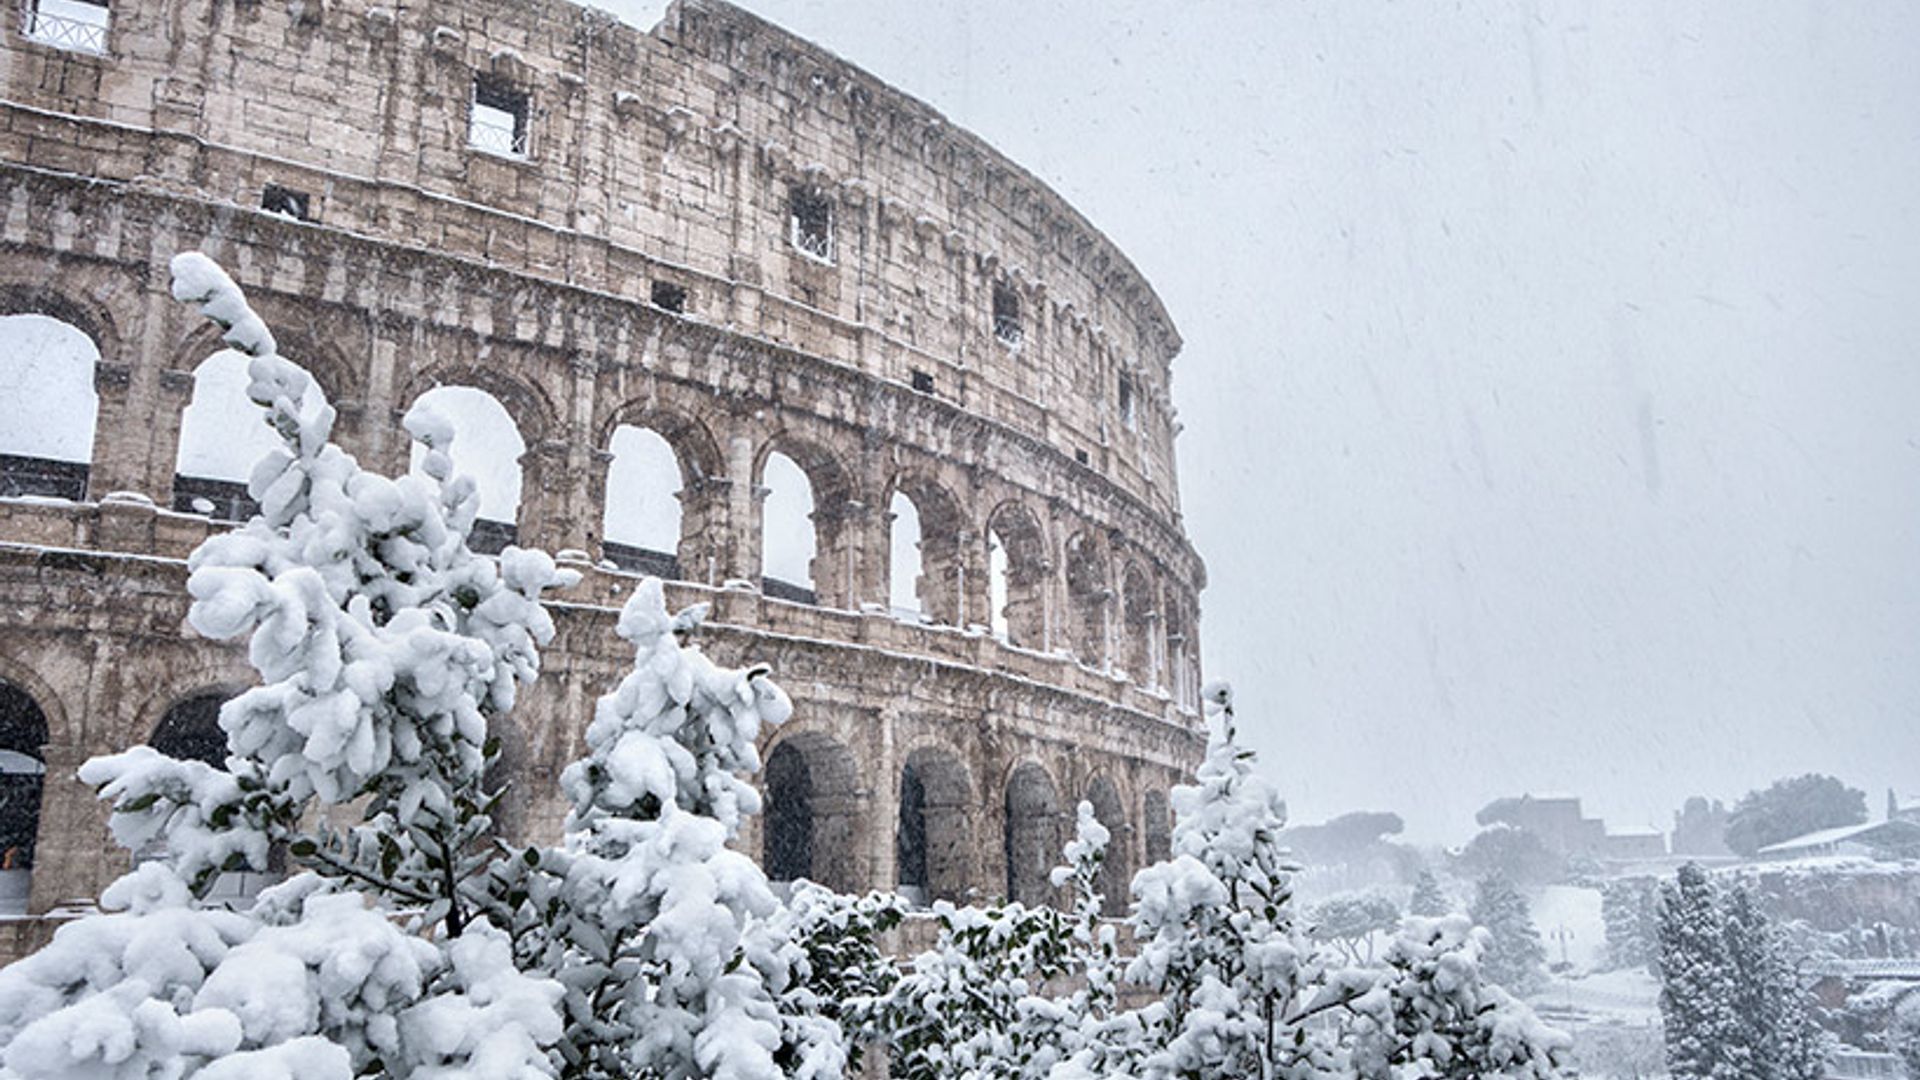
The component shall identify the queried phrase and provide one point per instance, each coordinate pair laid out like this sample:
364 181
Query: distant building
1902 807
1634 844
1700 828
1555 819
1886 839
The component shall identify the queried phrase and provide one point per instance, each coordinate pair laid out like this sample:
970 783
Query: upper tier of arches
717 167
654 460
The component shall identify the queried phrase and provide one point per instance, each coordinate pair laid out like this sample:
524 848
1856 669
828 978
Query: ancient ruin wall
535 270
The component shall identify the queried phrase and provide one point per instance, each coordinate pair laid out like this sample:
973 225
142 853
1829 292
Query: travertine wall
664 157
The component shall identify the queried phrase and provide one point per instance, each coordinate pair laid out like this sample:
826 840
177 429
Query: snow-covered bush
980 1004
1241 988
677 958
1730 1002
384 646
1514 953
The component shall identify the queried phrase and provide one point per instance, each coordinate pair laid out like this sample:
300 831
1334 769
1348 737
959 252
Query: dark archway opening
788 854
23 771
1032 835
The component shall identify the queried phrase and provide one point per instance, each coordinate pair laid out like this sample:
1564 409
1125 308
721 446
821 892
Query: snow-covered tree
1790 807
1770 1000
1429 900
1514 956
1242 990
1699 996
1629 907
1732 1003
974 1007
1355 921
1904 1037
384 647
676 955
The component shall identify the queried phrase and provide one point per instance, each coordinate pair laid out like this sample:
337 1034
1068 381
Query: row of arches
816 802
916 547
815 824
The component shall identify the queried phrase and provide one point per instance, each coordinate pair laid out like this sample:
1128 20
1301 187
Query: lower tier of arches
937 777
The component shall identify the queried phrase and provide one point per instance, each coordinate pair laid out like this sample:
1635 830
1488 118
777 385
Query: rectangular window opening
499 119
1006 316
1126 402
669 297
923 381
287 202
1081 457
812 223
76 25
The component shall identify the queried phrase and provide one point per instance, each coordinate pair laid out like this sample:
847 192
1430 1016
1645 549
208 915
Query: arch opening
46 449
1158 827
935 831
1143 660
191 731
1088 597
223 434
641 529
1116 872
812 816
503 777
1032 834
486 446
789 545
904 564
1016 577
23 770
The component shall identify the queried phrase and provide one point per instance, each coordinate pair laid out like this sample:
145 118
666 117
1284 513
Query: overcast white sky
1552 382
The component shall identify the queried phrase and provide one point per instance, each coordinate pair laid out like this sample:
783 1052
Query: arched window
506 776
486 446
1088 597
1016 576
811 826
935 834
1143 663
1116 872
1180 673
47 426
23 769
904 565
1032 840
190 731
641 530
788 540
223 434
1159 827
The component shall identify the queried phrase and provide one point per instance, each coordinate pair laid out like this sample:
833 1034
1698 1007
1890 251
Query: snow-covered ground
1568 918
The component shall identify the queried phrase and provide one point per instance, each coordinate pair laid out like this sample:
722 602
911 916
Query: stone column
74 854
547 516
709 548
944 577
745 498
175 393
599 461
837 560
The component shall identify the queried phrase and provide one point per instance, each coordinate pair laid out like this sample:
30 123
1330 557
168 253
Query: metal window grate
287 202
498 121
1006 316
812 220
75 25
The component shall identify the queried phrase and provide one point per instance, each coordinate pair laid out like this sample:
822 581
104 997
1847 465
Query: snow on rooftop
1838 835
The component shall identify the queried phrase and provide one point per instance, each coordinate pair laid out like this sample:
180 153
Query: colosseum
855 334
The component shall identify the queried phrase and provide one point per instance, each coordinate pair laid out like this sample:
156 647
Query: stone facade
628 249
